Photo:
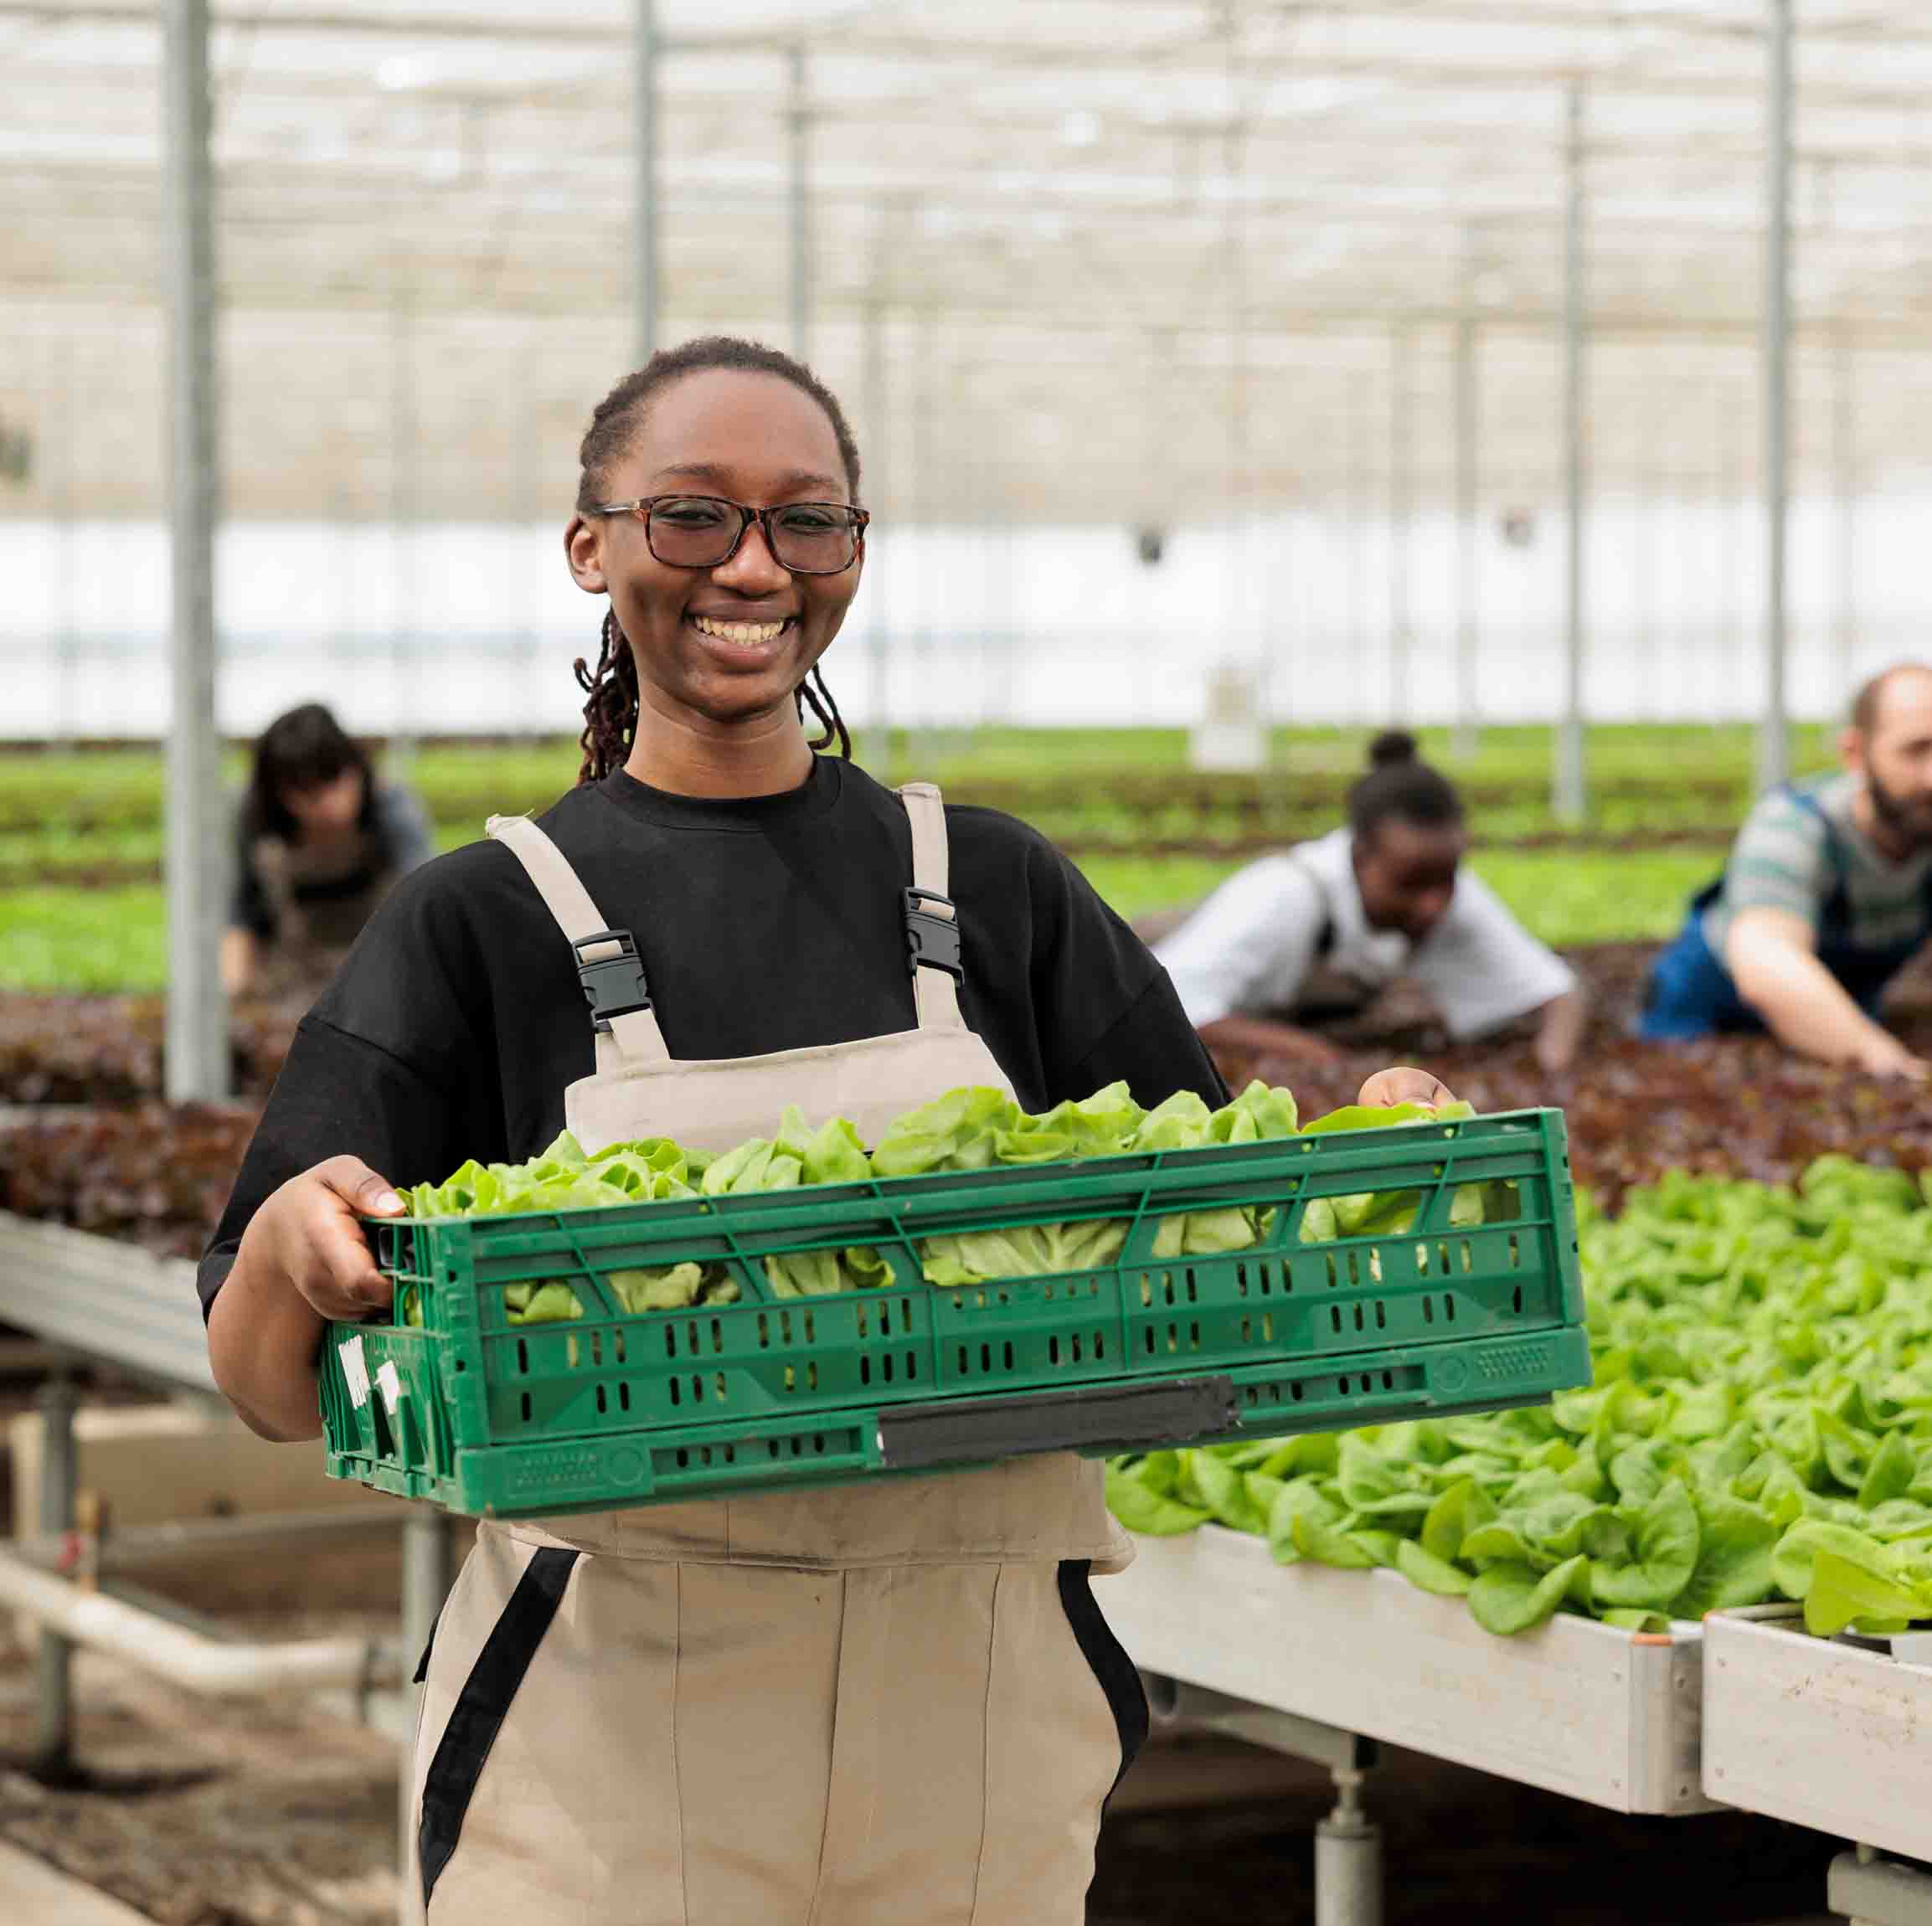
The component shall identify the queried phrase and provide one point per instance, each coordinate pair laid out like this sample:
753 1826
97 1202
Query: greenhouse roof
1139 259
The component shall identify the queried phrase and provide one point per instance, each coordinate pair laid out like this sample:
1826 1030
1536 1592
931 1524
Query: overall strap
1324 937
931 926
607 960
1834 914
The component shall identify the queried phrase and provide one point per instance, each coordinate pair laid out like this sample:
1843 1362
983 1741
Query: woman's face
728 645
1407 874
326 808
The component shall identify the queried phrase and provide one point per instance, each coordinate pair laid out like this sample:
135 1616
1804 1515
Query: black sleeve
1105 1008
337 1095
1154 1047
248 906
393 1064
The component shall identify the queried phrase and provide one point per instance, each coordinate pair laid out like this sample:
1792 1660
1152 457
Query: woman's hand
1403 1085
303 1261
306 1233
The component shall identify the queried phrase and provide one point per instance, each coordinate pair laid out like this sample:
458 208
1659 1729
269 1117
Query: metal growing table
90 1297
1311 1661
1830 1733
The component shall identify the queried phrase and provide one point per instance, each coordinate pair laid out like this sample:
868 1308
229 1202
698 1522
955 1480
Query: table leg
53 1752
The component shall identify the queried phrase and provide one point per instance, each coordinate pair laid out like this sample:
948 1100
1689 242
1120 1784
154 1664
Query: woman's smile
740 636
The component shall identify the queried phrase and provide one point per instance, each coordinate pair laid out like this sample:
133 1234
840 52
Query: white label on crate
355 1370
390 1384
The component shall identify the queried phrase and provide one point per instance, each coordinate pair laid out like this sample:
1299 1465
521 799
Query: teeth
744 635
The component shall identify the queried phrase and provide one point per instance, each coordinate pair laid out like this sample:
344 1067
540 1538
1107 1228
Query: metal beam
644 242
1773 748
274 196
877 388
1401 461
1733 482
1468 639
405 537
798 222
196 1049
1844 483
1883 28
1569 798
1358 514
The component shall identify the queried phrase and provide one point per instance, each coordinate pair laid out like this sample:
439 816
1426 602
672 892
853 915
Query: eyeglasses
706 531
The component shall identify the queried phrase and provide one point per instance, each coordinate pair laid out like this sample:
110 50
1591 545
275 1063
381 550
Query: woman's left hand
1405 1085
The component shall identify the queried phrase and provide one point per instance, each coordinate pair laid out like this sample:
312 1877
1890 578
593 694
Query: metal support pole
1401 454
1734 480
1845 486
644 183
427 1575
1466 403
53 1751
879 639
404 537
1358 563
1348 1859
798 118
197 1059
1570 799
66 568
1773 748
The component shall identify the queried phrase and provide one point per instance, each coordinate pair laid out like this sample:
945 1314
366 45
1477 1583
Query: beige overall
889 1705
313 935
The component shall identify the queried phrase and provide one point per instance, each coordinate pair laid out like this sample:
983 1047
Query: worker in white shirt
1323 927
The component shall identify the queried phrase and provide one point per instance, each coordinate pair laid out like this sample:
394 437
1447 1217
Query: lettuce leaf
1760 1425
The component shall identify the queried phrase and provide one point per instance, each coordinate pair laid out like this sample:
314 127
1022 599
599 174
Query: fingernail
387 1201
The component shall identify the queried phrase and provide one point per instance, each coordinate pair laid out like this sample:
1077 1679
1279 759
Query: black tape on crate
1116 1417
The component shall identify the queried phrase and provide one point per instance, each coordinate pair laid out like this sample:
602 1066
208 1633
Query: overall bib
875 1705
318 910
1692 994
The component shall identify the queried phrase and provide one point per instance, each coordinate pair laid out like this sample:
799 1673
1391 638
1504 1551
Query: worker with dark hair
318 842
1322 927
894 1702
1826 896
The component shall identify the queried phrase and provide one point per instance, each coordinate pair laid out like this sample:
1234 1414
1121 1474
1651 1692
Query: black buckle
613 985
931 939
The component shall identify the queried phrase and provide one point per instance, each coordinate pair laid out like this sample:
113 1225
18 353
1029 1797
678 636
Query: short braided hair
1400 783
610 689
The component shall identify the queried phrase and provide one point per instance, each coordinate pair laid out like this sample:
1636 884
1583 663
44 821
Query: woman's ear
584 550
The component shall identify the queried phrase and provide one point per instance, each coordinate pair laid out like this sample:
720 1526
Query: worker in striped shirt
1826 896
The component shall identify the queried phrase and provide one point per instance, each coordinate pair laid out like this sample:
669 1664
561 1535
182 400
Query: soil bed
106 1157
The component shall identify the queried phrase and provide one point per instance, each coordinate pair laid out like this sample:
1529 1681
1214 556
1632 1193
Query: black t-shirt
764 923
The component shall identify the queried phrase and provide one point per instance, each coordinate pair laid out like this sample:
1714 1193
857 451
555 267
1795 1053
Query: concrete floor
33 1893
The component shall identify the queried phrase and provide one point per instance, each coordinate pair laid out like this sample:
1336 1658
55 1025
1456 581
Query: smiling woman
906 1685
690 656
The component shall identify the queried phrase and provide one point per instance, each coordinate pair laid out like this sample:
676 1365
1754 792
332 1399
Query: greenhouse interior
1370 1150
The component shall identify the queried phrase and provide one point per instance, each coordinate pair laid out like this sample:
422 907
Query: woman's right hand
1883 1055
307 1232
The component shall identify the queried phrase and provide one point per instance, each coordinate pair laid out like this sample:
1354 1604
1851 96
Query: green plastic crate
616 1409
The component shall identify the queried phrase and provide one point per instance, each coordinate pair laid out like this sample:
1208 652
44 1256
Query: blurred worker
1826 896
1323 927
318 843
